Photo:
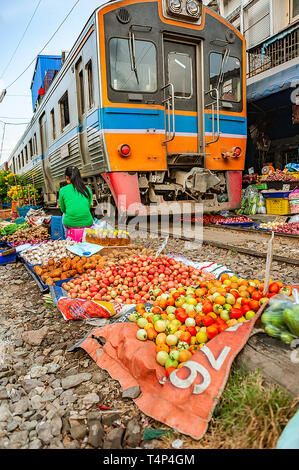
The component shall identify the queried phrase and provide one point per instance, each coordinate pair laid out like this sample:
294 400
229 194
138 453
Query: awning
288 78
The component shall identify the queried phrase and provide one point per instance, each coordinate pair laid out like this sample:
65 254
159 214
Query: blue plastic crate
276 195
23 210
57 228
8 259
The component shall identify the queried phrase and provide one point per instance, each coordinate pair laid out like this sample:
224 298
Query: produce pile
133 280
252 202
281 319
67 268
292 228
10 229
218 219
183 320
25 234
279 175
53 249
31 242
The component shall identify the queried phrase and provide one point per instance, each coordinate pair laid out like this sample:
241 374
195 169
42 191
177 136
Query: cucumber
275 318
291 318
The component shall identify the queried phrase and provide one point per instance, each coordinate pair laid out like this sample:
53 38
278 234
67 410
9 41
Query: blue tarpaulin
273 83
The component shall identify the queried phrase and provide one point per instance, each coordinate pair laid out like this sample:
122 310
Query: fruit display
22 233
67 268
53 249
133 280
279 175
281 319
281 227
182 320
218 219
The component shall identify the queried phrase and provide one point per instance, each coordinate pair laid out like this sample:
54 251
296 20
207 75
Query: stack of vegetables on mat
281 319
67 268
134 279
53 249
183 320
24 233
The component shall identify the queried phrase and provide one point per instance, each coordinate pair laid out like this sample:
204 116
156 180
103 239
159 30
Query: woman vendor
75 200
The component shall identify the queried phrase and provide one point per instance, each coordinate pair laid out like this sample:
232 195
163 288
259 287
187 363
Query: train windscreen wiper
133 54
221 73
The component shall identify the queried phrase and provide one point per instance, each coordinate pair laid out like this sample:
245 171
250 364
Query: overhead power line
48 42
20 41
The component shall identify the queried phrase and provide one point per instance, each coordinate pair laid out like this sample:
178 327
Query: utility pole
4 125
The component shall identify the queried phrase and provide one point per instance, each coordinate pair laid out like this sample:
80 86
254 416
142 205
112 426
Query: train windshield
123 75
225 74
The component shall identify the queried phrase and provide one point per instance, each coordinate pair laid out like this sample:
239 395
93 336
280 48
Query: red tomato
186 337
169 370
274 288
192 330
207 320
254 305
256 295
212 331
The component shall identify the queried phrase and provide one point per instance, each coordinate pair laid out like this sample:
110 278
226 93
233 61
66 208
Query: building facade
271 30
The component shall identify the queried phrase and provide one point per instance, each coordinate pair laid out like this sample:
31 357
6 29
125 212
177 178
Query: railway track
235 248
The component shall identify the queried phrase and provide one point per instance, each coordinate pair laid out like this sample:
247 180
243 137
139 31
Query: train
150 105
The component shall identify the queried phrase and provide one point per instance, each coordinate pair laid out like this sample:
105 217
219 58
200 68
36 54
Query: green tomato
224 315
250 314
170 309
171 363
174 355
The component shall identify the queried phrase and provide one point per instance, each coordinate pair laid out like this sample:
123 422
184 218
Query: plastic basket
57 231
23 210
276 195
5 213
277 206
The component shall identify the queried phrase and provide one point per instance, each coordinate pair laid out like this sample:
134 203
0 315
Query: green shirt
76 207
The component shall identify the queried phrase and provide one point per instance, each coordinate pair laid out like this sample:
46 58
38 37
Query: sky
14 17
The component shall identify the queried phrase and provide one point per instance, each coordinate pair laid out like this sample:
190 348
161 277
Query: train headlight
175 6
193 8
124 150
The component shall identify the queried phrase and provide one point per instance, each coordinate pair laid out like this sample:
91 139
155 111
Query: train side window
35 144
123 78
180 74
52 114
88 69
225 74
81 85
30 149
64 111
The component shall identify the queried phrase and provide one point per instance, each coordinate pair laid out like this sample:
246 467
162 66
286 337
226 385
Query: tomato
207 306
254 305
207 320
212 331
256 295
192 330
169 371
245 309
274 288
185 336
236 313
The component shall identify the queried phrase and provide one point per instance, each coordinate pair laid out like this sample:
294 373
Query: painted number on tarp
196 368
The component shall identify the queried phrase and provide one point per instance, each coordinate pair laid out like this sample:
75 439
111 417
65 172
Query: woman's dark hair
75 176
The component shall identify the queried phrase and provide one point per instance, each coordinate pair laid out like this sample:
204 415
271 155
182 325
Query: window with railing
278 52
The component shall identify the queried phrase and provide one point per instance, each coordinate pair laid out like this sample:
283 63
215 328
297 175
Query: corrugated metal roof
273 83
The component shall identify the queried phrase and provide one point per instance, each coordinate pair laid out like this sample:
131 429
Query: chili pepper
103 407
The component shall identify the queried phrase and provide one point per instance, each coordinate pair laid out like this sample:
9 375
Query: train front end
173 105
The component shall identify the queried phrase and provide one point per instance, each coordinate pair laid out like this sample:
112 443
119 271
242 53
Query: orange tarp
186 400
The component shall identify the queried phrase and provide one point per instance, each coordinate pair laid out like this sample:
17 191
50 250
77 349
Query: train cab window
64 111
53 124
225 74
180 74
123 78
89 84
